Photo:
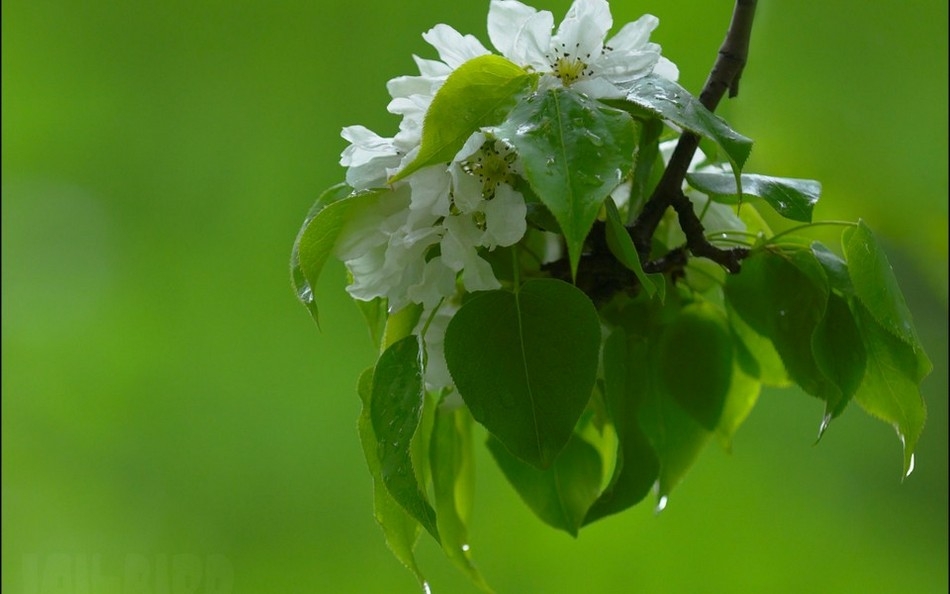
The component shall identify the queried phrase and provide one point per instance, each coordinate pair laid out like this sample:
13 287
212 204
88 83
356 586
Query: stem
724 75
771 240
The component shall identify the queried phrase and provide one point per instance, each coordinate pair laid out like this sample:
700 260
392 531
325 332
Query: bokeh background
164 396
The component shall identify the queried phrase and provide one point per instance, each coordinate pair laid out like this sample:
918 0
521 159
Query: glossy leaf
317 237
636 469
478 94
315 240
525 364
839 351
694 362
453 482
575 151
784 299
675 436
792 198
400 530
621 246
560 495
673 103
648 151
395 410
875 284
890 389
835 268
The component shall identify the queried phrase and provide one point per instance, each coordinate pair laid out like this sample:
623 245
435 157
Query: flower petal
504 218
521 33
581 33
454 48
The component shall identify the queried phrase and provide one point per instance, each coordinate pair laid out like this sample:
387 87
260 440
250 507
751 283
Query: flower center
568 66
491 165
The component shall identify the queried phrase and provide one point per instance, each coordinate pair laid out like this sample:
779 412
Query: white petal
504 217
430 194
521 33
581 33
478 276
365 145
466 189
458 243
454 48
432 68
666 69
599 88
634 35
438 281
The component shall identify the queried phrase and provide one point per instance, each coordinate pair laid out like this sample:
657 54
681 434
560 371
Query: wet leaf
318 235
890 390
784 299
560 495
695 362
792 198
395 410
399 528
839 351
626 380
743 393
643 180
453 481
673 103
479 93
525 364
875 284
835 268
621 246
575 151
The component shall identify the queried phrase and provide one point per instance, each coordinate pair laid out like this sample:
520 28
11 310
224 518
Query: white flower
369 159
576 55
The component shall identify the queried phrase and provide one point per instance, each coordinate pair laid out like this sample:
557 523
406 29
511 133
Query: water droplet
465 548
426 588
825 421
594 138
910 467
661 504
551 161
781 313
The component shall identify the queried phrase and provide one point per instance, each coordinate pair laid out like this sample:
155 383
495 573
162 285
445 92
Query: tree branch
724 75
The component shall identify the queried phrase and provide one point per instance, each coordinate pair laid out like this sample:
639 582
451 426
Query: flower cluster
424 242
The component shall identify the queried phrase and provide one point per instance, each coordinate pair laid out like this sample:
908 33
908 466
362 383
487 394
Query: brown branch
724 75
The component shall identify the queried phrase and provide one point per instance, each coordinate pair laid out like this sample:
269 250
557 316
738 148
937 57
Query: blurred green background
165 397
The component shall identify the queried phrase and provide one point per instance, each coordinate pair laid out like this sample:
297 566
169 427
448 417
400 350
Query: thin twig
724 75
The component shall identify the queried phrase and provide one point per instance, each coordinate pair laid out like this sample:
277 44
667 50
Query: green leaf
643 180
756 353
399 528
479 93
621 246
561 495
784 298
835 268
676 438
375 314
672 102
743 394
395 410
694 362
792 198
626 380
890 389
318 235
839 351
525 364
875 284
453 480
575 151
